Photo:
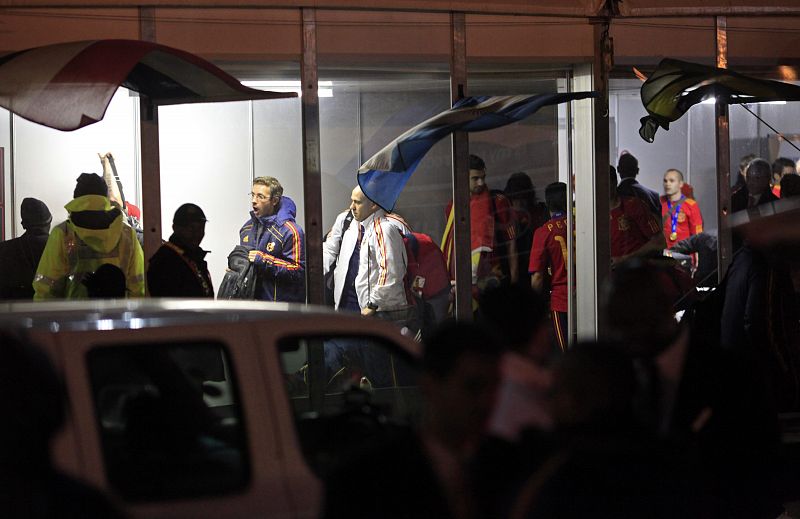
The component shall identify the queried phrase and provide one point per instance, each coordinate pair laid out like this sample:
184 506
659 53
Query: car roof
103 314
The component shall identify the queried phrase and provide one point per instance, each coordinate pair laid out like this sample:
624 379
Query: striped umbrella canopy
67 86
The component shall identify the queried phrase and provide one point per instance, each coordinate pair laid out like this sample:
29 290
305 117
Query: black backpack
240 281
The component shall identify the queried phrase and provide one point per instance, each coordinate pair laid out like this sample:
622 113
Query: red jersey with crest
689 221
632 225
549 251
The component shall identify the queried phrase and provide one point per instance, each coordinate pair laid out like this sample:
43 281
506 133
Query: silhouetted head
32 403
758 175
594 389
628 165
108 281
637 308
744 162
35 214
555 196
90 184
782 166
517 314
790 185
520 186
189 224
459 379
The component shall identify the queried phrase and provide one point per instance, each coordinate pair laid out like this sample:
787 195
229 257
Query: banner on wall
385 174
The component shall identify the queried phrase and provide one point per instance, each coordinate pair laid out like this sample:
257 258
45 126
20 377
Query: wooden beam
723 151
312 175
149 150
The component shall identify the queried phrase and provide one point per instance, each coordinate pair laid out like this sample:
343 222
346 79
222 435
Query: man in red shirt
634 229
680 214
549 259
492 232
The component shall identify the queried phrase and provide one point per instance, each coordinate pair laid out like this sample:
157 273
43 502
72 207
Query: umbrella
385 174
676 86
67 86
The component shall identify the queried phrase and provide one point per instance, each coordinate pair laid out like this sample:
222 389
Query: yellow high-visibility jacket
94 234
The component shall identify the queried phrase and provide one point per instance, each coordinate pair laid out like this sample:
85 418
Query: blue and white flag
383 177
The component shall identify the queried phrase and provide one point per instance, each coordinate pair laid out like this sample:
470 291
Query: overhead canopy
706 7
69 85
385 174
544 7
676 86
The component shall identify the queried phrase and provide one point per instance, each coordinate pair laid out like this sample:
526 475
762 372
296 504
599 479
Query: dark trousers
560 331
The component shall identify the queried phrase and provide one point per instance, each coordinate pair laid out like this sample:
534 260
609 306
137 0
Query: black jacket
631 187
19 259
177 270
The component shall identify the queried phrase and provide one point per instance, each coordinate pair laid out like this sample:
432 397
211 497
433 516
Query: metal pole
312 176
312 198
601 68
3 193
460 141
570 181
151 176
148 138
723 151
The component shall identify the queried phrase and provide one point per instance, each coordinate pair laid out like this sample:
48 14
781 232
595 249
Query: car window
169 419
346 391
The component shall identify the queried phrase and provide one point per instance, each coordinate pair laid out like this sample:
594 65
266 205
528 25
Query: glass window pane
211 153
521 160
47 161
379 91
169 418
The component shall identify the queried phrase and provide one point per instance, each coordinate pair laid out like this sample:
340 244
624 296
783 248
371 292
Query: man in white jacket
365 249
366 253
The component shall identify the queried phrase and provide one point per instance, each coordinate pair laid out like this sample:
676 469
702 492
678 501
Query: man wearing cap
20 257
95 233
275 243
179 268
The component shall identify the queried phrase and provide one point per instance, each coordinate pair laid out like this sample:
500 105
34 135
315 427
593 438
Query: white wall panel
205 160
48 161
277 147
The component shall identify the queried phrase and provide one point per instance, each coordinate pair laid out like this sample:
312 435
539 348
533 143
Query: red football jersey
549 250
632 225
688 222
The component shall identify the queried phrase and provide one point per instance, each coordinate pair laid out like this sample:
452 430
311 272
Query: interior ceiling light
325 88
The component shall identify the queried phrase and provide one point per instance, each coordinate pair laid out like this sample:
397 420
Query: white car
190 408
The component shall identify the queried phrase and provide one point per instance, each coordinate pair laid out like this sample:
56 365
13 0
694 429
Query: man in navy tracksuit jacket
276 243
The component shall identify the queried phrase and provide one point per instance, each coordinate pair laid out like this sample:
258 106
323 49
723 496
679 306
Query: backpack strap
346 223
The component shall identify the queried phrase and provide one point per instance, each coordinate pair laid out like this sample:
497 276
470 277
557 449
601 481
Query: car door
176 421
345 379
